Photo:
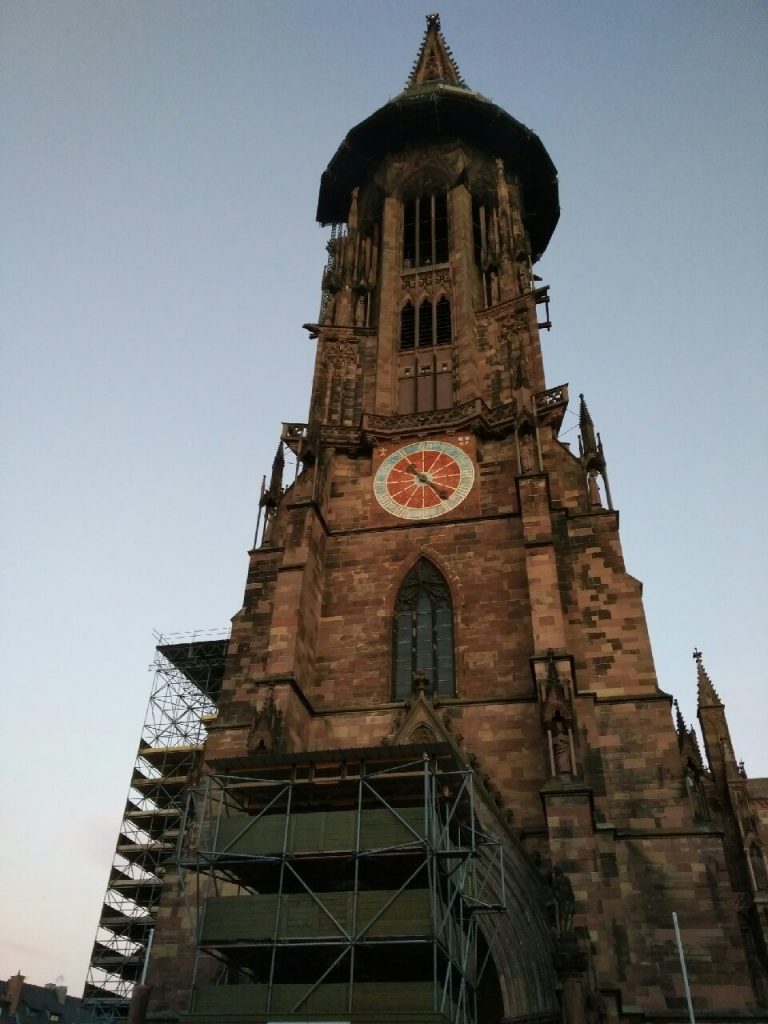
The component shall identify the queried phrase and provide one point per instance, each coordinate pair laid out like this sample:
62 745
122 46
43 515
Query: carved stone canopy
556 694
423 723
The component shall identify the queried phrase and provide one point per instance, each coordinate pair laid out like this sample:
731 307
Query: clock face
423 480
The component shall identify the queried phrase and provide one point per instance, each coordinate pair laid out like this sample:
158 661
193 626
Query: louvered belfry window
432 326
425 324
423 634
443 335
407 328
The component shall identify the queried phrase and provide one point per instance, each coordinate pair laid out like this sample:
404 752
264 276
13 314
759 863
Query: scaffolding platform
188 671
347 882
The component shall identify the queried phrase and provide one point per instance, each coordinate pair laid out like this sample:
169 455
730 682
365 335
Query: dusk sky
159 168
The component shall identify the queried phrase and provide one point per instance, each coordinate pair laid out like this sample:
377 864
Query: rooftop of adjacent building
34 1004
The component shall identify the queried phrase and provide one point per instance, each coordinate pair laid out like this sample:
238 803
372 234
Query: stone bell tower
443 784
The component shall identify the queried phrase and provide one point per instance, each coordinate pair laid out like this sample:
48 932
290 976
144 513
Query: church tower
442 784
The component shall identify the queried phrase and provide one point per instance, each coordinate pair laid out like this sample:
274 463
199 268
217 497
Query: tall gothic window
425 230
423 634
443 332
425 324
407 327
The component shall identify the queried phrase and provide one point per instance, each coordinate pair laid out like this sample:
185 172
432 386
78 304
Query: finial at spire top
434 61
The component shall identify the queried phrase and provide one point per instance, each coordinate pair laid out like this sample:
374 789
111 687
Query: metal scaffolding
188 669
370 903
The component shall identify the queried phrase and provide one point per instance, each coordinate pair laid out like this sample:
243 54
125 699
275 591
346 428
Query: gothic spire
592 457
693 739
682 729
587 429
276 480
706 693
434 62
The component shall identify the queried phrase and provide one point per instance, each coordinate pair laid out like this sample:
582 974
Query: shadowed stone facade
609 817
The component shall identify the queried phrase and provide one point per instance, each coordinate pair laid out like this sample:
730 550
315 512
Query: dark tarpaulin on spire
437 106
436 113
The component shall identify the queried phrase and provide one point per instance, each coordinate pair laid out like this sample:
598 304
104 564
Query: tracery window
430 324
423 634
425 230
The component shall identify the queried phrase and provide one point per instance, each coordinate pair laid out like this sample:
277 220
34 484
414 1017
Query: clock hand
443 495
424 479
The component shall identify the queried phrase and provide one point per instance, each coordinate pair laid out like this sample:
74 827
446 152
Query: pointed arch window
443 322
425 324
423 634
407 328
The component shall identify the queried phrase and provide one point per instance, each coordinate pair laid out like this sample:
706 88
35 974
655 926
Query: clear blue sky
159 166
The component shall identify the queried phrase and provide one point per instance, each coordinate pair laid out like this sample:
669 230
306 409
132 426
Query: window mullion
414 637
417 231
432 229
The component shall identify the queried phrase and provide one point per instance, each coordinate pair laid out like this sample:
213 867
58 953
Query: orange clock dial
424 480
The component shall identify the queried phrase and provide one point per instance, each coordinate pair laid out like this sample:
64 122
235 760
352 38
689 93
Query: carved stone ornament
565 901
529 462
422 734
340 437
561 748
519 369
512 325
471 414
267 730
420 721
339 353
556 694
427 170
